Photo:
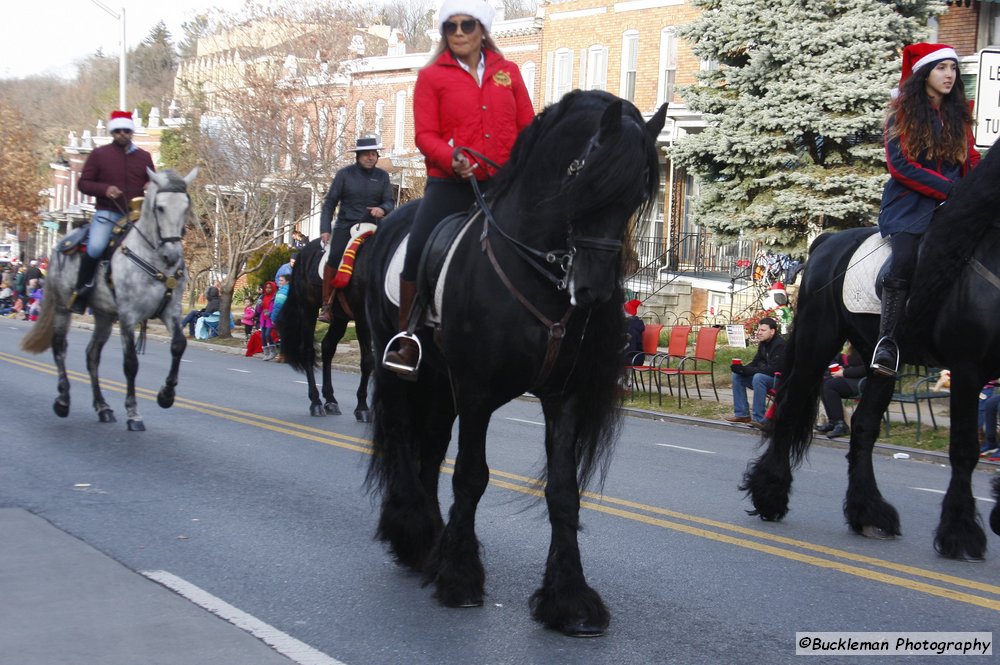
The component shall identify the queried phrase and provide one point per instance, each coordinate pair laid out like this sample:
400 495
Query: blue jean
99 236
190 319
760 384
988 416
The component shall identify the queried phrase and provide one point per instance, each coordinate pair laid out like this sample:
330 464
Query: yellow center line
608 505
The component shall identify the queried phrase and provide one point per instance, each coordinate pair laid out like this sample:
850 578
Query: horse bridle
539 259
169 281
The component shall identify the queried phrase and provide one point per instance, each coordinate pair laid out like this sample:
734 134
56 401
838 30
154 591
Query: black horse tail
797 402
297 320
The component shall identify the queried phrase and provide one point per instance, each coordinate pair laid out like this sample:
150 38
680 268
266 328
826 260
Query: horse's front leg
102 331
59 345
130 364
565 602
328 347
178 343
866 511
959 534
362 413
456 567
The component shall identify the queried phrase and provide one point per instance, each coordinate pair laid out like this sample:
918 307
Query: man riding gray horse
113 174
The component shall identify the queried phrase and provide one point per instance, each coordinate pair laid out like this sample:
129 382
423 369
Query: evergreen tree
795 112
152 66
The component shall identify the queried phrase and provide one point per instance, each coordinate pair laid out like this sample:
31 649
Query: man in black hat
364 194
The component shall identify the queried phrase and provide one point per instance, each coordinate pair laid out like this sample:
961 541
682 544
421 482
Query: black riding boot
886 358
405 359
84 284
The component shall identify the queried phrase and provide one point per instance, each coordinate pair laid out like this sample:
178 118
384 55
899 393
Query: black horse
297 326
532 302
951 321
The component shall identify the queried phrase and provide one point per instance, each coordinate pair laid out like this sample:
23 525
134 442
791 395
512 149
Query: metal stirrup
399 366
882 369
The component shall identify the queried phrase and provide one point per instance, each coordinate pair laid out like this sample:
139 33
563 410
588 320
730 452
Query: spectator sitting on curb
757 375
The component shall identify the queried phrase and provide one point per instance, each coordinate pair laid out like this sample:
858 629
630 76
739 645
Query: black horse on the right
951 321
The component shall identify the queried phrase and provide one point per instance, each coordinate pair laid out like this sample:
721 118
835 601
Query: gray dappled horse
148 279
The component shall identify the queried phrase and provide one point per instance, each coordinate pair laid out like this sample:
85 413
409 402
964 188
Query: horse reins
537 258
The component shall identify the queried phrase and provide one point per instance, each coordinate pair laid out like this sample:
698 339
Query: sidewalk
65 602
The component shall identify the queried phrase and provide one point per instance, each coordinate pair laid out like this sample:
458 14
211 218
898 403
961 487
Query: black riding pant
340 237
441 198
904 255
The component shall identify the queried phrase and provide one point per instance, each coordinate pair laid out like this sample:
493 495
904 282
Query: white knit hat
477 9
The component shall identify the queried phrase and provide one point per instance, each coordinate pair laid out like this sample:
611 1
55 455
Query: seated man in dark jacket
758 374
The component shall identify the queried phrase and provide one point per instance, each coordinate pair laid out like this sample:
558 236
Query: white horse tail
39 338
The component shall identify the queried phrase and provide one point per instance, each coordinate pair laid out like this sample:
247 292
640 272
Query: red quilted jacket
450 110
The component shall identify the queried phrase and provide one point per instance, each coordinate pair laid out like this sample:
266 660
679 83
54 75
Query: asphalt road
238 491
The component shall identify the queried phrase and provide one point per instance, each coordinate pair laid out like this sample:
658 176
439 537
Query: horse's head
589 166
165 213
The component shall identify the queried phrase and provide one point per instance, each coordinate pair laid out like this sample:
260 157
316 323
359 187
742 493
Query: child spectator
249 317
264 313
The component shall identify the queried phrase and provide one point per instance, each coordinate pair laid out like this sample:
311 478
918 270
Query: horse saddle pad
358 230
434 263
862 275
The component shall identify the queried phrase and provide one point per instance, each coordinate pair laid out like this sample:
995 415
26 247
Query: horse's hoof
877 532
61 409
106 416
136 426
316 410
363 416
582 629
165 398
332 408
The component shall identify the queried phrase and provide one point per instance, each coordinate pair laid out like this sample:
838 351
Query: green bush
271 258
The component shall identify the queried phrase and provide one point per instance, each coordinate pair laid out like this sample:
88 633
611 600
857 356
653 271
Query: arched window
668 66
630 64
399 135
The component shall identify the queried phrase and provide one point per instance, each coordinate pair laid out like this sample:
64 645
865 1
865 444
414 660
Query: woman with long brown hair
929 147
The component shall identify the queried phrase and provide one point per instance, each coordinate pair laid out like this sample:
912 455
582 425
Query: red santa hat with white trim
916 56
121 120
478 9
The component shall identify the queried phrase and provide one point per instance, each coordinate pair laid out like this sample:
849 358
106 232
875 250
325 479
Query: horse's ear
157 178
612 118
655 124
189 178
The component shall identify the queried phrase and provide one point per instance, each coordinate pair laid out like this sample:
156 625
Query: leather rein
540 260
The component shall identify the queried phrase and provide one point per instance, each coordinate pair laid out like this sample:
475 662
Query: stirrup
883 369
400 368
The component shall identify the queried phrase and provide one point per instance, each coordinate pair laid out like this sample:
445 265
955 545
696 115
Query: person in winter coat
757 375
264 316
469 96
634 327
928 147
841 382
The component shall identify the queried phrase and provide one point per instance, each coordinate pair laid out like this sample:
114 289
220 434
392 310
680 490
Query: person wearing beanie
468 96
360 192
928 147
634 328
113 174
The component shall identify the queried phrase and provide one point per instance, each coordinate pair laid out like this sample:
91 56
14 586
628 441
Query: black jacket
355 189
769 359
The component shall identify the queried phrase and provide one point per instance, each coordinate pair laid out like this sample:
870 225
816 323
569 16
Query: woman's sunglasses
467 26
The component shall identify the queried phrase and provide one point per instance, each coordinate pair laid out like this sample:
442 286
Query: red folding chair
704 353
676 351
650 347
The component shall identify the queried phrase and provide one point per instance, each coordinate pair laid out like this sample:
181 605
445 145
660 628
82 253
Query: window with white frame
290 134
668 66
306 138
341 126
379 116
630 64
324 130
597 68
528 71
562 73
359 118
400 127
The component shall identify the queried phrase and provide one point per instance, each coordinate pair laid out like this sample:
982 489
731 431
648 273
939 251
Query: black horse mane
955 232
538 151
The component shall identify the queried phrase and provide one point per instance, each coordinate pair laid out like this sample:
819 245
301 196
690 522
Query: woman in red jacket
468 96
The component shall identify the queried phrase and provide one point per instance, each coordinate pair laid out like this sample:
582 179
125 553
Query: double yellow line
942 585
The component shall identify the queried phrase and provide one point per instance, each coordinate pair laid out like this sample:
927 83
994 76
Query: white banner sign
988 98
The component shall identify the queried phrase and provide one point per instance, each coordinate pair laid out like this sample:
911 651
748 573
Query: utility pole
122 64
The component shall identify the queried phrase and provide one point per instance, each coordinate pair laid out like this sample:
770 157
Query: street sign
988 98
49 224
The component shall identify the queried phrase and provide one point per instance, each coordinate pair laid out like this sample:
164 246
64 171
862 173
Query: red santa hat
920 55
632 307
477 9
777 286
121 120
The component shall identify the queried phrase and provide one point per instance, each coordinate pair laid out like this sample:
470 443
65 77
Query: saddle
76 241
863 278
